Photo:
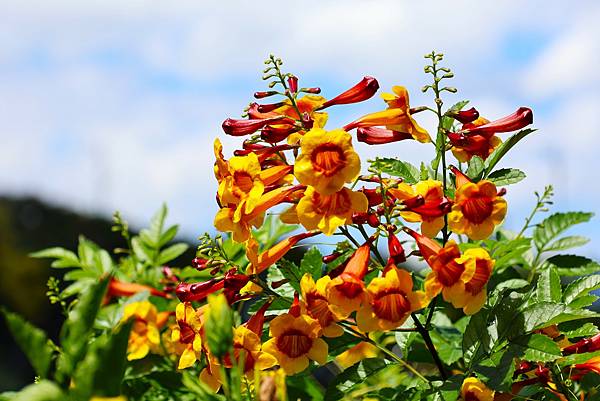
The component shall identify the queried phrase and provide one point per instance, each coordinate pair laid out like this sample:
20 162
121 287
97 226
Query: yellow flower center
337 203
328 159
476 209
480 278
391 305
294 343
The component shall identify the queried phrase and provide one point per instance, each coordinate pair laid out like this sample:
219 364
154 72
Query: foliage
413 291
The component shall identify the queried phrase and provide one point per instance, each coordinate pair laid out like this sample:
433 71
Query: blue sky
114 105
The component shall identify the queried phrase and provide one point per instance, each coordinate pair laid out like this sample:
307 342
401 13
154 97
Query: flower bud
246 127
517 120
380 136
396 250
314 91
199 263
262 95
293 83
331 257
363 90
265 108
464 116
219 326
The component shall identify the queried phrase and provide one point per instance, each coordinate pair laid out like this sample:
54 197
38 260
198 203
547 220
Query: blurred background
112 105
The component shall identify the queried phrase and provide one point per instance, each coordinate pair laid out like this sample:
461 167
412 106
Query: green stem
430 346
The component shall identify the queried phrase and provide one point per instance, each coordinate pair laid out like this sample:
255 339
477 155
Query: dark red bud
265 108
586 345
396 250
262 95
360 218
214 271
307 121
363 90
380 136
517 120
277 134
198 291
373 195
293 83
330 258
199 263
465 116
373 220
246 127
414 202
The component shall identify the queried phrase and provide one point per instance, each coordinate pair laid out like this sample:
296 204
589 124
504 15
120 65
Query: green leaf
43 391
569 242
548 286
553 225
578 358
506 176
87 255
536 347
344 383
168 235
583 301
580 287
304 387
32 341
508 253
571 330
545 314
424 172
76 330
172 252
101 372
497 370
312 263
476 340
64 257
475 168
290 271
152 236
397 168
504 147
573 265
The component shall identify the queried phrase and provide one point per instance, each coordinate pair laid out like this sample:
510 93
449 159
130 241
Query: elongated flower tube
327 160
198 291
246 127
464 116
590 344
260 262
380 136
515 121
117 288
395 249
347 292
397 117
390 302
478 207
363 90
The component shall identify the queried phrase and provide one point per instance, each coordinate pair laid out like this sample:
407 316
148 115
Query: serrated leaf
583 301
475 168
553 225
101 372
569 242
509 252
506 176
397 168
504 147
476 340
76 329
578 358
536 347
548 286
152 235
32 341
573 265
290 271
64 257
544 314
580 287
571 330
345 382
312 263
172 252
497 370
